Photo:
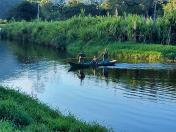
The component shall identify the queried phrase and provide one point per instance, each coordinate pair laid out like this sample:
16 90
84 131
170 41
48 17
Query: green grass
85 29
20 112
99 31
128 51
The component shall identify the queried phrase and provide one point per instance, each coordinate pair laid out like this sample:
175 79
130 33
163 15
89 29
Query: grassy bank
100 31
124 52
122 28
22 113
128 51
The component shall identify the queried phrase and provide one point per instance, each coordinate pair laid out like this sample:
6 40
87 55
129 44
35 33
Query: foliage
28 10
23 11
60 9
106 5
140 7
42 2
73 2
49 11
90 9
130 28
89 29
6 5
22 113
127 51
170 11
170 16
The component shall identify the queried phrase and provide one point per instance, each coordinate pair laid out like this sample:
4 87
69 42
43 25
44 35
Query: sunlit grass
21 112
127 51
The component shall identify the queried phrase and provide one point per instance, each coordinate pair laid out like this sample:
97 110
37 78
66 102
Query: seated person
81 57
94 60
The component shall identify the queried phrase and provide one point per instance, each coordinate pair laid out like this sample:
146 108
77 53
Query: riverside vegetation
22 113
95 33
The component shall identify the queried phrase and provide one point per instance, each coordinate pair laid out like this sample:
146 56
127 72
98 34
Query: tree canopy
61 9
6 5
23 11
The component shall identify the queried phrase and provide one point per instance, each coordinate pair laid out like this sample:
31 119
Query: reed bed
130 28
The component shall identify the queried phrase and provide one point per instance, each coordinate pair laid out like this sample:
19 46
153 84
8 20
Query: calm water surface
128 97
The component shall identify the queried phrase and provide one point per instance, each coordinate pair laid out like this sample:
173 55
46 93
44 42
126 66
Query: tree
170 7
140 7
106 5
23 11
170 11
6 5
170 15
73 2
39 2
42 2
52 11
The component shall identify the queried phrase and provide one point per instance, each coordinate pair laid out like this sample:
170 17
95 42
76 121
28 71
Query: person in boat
81 57
105 55
94 60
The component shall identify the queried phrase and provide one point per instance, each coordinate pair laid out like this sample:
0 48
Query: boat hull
87 65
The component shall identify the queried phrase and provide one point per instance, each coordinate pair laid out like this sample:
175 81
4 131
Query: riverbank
21 112
127 51
95 33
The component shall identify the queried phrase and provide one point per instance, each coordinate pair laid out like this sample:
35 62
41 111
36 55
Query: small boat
89 64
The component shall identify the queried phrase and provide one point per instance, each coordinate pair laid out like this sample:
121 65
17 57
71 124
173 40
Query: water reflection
140 83
149 81
94 71
135 95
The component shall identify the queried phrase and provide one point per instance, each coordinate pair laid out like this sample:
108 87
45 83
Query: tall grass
130 28
60 34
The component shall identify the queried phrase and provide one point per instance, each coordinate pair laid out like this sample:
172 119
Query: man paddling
81 57
105 55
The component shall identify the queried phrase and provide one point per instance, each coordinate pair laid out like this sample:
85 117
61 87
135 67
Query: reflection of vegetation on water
32 53
152 82
132 79
22 113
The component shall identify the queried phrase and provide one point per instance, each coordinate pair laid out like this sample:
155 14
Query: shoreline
127 51
86 34
21 112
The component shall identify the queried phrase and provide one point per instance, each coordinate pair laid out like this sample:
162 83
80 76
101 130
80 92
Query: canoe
89 64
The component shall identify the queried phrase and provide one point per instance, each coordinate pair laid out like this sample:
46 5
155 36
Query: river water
128 97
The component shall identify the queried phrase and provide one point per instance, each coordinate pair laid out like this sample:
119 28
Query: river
129 97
